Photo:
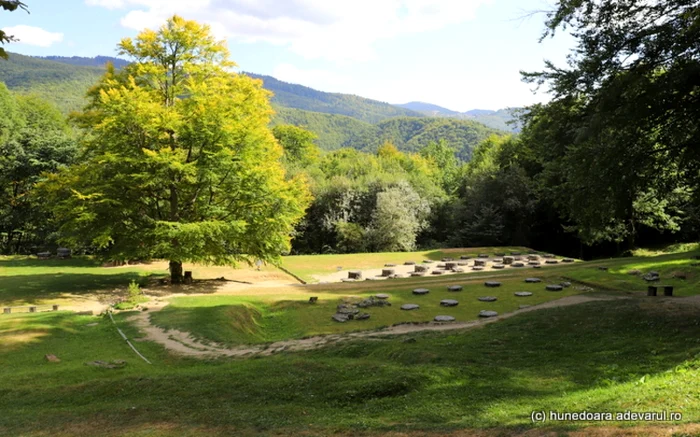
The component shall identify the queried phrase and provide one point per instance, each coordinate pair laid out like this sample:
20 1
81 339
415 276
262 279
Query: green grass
248 319
639 354
26 280
666 250
306 266
611 356
618 275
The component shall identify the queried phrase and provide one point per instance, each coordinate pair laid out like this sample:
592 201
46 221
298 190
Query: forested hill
501 119
97 61
61 83
339 120
308 99
406 133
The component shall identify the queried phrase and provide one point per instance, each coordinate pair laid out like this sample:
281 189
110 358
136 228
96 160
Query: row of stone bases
353 311
449 265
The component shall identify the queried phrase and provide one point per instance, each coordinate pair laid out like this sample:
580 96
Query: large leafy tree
621 135
178 161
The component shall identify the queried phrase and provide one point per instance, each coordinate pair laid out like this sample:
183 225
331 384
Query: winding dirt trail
184 344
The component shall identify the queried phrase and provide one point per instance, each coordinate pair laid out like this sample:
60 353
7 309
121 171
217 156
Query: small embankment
185 344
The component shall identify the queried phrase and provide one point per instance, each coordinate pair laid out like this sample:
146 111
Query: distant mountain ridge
503 119
339 120
97 61
308 99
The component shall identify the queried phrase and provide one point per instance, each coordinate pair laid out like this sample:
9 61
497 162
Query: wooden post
668 290
55 307
651 290
32 309
188 277
7 310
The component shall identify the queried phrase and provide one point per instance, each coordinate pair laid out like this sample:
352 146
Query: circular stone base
551 261
418 274
458 270
389 265
498 266
381 296
444 319
488 299
428 261
567 260
485 313
523 293
449 303
437 272
465 257
518 264
455 288
409 306
421 291
532 280
492 284
477 268
554 287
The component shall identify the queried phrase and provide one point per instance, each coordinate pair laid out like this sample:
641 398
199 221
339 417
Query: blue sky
460 54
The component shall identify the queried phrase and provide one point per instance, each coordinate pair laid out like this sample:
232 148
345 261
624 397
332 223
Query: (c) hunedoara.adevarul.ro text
593 416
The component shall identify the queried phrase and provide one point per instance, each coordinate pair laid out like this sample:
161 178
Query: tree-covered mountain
339 120
495 119
406 133
301 97
97 61
61 83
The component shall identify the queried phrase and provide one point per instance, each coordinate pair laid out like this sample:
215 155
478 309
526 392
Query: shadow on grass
34 288
23 261
571 359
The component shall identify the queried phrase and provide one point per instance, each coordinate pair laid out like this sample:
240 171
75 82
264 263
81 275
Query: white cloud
33 36
337 30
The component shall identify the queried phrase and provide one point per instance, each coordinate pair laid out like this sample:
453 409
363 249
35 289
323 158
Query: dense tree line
612 161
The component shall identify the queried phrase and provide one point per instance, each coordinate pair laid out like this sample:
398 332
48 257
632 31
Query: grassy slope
273 317
259 319
609 356
595 357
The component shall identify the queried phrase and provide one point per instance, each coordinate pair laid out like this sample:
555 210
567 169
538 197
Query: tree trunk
176 272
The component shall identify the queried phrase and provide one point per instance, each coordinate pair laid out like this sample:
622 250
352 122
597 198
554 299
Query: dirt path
183 343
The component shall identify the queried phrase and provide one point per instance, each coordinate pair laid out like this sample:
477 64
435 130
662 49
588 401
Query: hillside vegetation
339 120
300 97
63 84
409 134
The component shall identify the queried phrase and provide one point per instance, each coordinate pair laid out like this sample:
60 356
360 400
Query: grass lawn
305 266
640 354
27 280
266 318
611 356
